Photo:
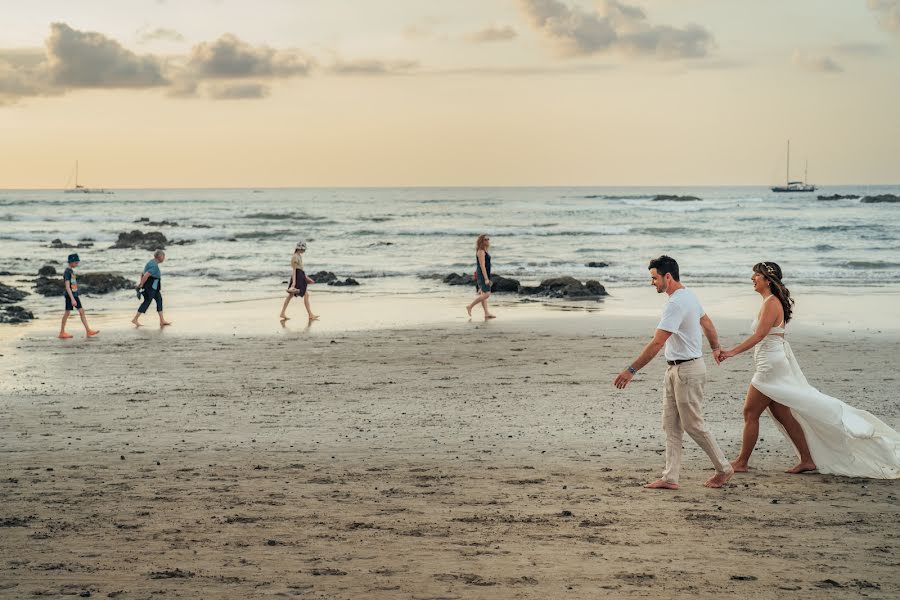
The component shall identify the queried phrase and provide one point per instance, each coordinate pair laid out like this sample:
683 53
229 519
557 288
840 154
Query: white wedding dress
842 440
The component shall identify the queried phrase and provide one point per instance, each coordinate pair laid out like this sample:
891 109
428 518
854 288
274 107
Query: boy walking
70 280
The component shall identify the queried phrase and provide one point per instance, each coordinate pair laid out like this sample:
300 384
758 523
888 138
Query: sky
270 93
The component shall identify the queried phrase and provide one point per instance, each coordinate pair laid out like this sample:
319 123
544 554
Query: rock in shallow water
9 294
15 314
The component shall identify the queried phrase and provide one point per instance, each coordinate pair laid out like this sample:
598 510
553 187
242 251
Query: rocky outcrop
839 197
880 198
58 244
504 285
88 283
672 198
566 287
152 240
349 281
15 314
47 271
323 277
597 264
11 295
457 279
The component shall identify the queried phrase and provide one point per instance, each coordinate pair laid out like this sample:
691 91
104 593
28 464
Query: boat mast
805 171
787 174
76 173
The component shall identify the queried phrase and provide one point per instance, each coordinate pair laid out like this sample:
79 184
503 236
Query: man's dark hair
665 264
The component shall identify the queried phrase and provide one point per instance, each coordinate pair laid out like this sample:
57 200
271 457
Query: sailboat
794 186
80 189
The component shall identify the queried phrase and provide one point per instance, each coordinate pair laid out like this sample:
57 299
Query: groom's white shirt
682 319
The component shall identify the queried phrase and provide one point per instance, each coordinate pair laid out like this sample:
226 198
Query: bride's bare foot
313 317
719 479
803 467
469 310
283 317
661 484
165 323
740 466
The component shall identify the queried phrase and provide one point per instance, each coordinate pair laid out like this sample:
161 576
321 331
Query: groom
681 329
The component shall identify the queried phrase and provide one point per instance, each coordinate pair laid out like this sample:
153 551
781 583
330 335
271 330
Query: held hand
623 379
717 356
727 354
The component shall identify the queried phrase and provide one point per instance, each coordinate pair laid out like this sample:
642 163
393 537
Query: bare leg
484 305
62 327
479 298
754 405
287 301
784 416
87 328
309 311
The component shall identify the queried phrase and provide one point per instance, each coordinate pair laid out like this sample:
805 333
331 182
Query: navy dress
480 276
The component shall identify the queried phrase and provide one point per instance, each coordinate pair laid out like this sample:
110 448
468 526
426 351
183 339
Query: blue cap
73 258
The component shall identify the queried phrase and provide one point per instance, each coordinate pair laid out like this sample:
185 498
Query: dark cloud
860 49
888 12
492 34
574 31
373 67
159 34
231 58
86 59
238 91
815 63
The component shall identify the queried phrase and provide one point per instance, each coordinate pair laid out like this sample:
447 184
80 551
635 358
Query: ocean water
240 240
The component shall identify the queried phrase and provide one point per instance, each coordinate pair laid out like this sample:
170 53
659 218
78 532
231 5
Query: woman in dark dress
482 276
297 284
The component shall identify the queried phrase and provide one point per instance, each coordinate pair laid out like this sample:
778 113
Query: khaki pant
682 399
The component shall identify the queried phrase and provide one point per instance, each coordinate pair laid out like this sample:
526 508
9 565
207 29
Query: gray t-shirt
682 318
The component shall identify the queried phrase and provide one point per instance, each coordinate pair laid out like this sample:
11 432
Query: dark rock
152 240
323 277
880 198
597 264
456 279
839 197
15 314
565 287
47 271
59 244
9 294
88 283
202 226
348 281
671 198
504 284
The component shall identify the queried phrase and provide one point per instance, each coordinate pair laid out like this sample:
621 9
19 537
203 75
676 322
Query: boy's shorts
69 302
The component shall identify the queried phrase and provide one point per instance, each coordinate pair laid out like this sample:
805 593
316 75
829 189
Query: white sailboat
80 189
794 186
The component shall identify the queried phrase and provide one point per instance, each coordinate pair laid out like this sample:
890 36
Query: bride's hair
772 272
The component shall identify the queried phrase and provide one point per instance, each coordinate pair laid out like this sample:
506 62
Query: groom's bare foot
661 484
136 322
740 466
803 467
719 479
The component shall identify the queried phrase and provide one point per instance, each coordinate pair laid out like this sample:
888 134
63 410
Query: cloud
238 91
86 59
860 49
492 34
159 34
818 64
373 67
231 58
888 13
573 31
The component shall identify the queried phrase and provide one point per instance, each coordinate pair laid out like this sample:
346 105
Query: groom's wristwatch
632 370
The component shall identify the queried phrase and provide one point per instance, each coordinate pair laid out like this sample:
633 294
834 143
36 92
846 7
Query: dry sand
464 461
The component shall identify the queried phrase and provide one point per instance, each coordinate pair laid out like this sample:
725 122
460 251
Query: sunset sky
221 93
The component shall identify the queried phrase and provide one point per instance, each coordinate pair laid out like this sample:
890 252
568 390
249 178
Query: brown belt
672 363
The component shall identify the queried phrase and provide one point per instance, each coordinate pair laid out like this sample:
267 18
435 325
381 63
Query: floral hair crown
770 269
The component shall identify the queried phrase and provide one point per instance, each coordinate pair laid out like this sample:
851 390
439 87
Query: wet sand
458 461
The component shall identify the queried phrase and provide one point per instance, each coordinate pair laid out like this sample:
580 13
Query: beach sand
463 460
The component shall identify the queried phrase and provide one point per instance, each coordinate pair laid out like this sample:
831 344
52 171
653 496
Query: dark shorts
69 301
299 283
151 295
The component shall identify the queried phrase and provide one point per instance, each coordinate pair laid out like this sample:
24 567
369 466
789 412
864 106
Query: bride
828 435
